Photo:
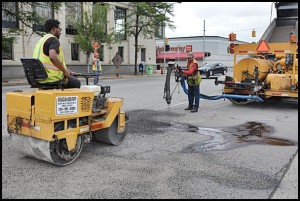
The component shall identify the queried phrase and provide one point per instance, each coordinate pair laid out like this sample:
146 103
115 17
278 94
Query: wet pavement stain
146 122
227 138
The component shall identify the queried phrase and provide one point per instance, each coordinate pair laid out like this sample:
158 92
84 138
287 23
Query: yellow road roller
52 123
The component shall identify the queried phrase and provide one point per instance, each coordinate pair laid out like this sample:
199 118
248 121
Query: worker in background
193 81
49 51
96 67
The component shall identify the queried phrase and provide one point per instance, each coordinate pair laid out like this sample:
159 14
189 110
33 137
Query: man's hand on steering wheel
72 73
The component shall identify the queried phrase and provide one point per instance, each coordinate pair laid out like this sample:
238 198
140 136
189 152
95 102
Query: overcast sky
222 18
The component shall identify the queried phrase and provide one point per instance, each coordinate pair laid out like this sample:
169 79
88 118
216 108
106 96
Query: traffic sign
117 60
263 46
189 48
95 45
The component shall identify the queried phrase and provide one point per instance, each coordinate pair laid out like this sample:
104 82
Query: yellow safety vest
54 73
96 65
195 78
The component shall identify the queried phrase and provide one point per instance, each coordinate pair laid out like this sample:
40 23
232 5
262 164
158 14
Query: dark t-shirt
51 43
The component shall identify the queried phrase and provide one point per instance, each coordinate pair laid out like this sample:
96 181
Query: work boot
188 108
194 109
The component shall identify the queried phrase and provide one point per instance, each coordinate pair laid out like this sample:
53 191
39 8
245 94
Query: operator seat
35 71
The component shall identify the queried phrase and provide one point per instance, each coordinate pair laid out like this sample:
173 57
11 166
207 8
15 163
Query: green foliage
146 18
93 27
25 15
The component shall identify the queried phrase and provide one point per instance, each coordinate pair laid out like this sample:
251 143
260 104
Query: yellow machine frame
273 48
35 114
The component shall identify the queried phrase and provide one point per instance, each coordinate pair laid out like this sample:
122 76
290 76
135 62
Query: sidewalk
15 82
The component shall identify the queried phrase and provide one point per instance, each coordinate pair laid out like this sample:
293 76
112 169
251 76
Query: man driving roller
49 51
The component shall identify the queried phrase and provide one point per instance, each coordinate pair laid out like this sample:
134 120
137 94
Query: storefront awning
181 55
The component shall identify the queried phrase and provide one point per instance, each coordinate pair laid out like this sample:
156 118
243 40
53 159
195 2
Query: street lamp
164 37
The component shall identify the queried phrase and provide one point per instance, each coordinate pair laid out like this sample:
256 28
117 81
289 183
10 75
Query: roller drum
54 152
110 135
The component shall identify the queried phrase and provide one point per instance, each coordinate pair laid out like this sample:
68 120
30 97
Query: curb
16 82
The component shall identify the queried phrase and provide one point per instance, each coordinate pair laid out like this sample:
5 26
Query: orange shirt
191 70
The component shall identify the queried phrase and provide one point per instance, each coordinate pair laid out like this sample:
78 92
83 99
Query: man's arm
191 70
54 59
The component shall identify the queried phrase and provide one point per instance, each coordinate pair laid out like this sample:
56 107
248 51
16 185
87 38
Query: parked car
210 69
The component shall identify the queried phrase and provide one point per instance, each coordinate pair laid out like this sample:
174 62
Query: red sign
95 45
172 48
262 46
117 60
189 48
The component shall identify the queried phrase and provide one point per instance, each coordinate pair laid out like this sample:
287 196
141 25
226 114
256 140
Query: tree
15 12
92 28
145 18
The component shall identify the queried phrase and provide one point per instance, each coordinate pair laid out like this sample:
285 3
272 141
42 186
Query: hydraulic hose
231 96
168 97
167 93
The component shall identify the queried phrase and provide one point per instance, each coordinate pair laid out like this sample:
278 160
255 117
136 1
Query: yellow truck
270 71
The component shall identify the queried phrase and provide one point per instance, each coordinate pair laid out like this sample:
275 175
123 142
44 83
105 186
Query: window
73 13
143 54
120 17
9 21
46 12
7 47
75 51
121 51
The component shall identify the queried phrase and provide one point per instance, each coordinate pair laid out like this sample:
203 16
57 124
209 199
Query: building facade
76 59
216 49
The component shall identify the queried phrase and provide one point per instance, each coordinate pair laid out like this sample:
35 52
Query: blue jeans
96 79
194 95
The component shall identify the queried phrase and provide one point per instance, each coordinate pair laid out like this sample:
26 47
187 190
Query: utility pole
178 54
271 12
164 27
204 43
164 45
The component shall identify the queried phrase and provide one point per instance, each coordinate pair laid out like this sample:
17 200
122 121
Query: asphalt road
224 151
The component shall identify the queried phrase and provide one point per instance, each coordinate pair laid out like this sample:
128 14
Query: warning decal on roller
66 105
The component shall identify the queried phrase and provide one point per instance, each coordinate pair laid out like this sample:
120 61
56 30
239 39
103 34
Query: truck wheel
110 135
224 72
240 101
